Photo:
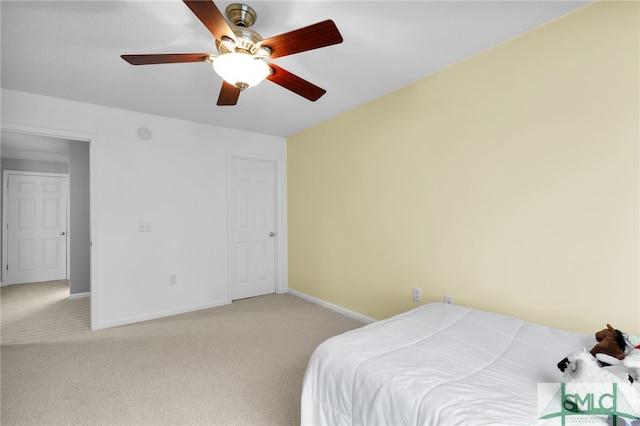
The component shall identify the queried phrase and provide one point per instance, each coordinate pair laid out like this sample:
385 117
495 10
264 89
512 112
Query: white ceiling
71 50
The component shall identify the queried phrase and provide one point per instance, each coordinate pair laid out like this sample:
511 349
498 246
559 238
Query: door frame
280 207
91 139
5 215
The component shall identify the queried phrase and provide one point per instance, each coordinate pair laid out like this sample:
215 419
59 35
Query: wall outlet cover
416 294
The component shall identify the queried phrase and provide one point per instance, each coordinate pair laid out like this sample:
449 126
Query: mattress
439 364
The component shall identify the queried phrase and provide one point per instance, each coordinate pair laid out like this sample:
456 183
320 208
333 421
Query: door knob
62 233
271 234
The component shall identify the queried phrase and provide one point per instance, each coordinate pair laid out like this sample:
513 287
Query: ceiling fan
243 52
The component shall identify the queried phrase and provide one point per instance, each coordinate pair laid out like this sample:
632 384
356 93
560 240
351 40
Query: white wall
177 180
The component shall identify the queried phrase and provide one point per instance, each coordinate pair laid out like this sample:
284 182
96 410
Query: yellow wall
509 181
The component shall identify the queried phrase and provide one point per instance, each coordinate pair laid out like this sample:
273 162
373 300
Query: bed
438 364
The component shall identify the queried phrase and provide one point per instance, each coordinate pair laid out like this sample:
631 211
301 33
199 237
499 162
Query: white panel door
36 229
252 237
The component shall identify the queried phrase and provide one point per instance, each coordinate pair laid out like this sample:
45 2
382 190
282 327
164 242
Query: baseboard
336 308
156 315
80 295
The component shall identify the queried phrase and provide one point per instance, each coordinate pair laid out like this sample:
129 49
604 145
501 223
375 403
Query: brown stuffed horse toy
610 342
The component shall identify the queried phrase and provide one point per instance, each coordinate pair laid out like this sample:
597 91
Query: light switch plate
144 226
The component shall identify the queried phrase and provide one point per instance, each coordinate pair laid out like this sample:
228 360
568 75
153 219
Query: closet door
36 228
251 225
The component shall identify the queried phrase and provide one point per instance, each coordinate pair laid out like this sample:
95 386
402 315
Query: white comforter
438 365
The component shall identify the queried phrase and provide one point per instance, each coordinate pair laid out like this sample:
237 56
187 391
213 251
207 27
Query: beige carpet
240 364
41 312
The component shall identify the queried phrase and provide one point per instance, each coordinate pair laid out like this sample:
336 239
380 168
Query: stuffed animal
582 367
630 363
610 342
614 359
615 350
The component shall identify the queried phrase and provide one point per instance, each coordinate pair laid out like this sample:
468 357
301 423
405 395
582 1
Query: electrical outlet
173 279
448 300
416 294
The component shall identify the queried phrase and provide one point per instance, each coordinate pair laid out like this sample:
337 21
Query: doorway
29 150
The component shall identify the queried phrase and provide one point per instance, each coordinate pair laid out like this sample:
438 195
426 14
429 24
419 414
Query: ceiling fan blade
208 13
314 36
172 58
229 94
294 83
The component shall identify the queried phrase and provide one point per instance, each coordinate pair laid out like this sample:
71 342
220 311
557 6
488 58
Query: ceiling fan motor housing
247 42
241 15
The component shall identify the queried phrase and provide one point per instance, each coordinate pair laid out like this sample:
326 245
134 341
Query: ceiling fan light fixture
243 52
241 69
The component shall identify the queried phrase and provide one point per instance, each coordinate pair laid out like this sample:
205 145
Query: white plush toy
632 362
584 368
629 365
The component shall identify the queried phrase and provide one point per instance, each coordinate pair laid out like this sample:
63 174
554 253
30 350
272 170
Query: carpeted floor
41 312
240 364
